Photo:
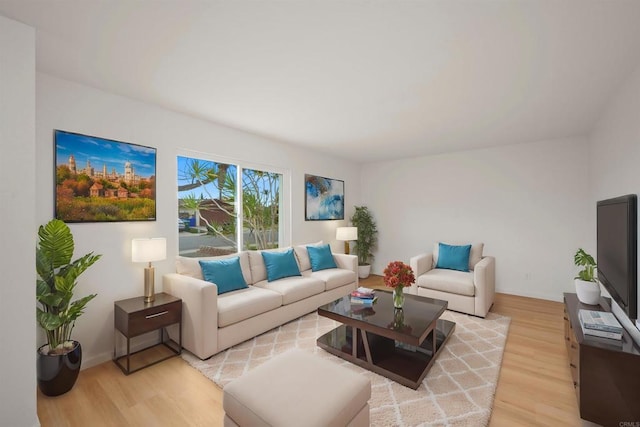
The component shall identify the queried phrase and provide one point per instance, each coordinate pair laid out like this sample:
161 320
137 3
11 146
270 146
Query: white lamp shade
347 233
148 250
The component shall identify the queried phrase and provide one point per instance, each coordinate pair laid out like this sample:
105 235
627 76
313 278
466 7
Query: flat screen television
617 251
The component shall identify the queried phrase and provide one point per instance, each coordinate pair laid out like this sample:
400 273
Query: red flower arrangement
397 274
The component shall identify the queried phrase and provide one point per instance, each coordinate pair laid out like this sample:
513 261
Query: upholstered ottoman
298 389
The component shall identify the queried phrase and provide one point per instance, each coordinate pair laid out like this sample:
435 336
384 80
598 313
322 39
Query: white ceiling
366 80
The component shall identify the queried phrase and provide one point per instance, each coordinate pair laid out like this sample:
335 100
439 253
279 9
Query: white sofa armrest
348 262
420 264
199 312
484 277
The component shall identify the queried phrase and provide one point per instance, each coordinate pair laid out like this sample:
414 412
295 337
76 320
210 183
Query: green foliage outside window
218 188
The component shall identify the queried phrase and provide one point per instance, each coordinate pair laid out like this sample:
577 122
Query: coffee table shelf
384 350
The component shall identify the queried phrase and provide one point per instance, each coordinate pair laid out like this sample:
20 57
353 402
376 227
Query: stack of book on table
363 296
600 324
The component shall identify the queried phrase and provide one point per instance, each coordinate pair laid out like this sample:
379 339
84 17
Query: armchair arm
420 264
199 312
348 262
484 278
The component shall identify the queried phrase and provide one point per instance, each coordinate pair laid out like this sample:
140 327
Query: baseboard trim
91 360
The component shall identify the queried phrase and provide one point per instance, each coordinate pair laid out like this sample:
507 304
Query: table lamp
149 250
347 234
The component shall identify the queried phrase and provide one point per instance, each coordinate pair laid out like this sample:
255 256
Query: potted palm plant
587 287
367 239
59 360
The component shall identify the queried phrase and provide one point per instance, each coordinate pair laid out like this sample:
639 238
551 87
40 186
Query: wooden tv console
606 372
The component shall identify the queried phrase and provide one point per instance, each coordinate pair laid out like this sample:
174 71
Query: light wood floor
534 389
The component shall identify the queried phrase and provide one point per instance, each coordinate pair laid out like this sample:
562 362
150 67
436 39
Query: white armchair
470 292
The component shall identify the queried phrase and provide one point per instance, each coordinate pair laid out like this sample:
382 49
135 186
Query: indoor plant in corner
587 286
367 238
59 360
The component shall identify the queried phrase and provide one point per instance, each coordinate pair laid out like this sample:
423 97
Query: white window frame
285 208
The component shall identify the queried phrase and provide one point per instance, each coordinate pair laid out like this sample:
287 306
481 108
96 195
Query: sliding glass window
226 206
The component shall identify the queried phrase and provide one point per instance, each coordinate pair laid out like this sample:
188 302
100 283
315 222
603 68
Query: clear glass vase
398 297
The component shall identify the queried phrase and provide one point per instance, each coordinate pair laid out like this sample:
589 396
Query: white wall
69 106
527 203
17 193
615 146
615 149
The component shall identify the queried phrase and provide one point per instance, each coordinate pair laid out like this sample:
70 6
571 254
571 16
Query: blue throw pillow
280 264
321 257
226 273
453 257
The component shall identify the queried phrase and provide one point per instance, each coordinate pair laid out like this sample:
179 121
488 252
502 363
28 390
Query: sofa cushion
257 267
294 288
333 277
302 255
225 273
243 304
280 264
475 255
453 257
321 257
451 281
191 266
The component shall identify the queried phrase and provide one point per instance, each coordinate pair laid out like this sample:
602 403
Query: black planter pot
58 373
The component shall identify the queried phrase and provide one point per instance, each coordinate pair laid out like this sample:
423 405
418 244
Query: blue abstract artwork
324 198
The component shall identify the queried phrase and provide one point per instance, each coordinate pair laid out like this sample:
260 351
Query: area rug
457 391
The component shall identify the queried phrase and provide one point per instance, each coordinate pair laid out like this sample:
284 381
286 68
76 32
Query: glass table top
417 316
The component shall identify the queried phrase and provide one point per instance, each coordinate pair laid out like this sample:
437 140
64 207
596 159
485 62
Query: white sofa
212 323
470 292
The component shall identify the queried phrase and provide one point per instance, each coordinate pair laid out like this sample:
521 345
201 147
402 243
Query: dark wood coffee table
398 344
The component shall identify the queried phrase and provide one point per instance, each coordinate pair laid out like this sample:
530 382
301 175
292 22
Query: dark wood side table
134 317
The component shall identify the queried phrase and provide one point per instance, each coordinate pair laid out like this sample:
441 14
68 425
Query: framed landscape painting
102 180
324 198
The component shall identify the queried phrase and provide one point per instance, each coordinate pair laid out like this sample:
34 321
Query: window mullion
239 209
